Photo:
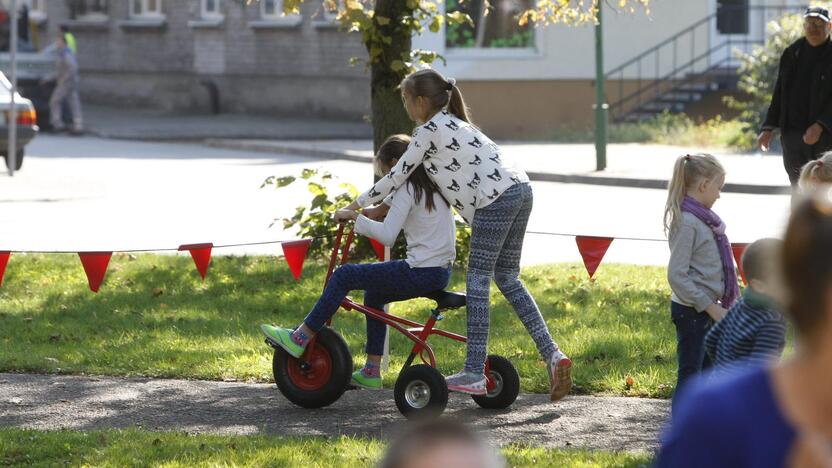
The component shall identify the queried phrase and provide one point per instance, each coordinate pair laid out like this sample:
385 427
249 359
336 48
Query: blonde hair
440 92
687 172
816 172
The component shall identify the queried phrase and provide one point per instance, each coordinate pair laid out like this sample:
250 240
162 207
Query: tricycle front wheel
320 376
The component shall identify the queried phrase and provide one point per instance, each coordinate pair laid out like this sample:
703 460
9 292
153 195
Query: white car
27 121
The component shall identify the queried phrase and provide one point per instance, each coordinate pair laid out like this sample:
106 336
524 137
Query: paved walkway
85 403
629 165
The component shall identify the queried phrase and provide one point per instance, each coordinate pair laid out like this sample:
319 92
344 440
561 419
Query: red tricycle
322 374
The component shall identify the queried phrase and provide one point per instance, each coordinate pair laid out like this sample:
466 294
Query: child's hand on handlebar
345 215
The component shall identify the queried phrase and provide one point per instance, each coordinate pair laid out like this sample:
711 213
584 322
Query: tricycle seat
446 300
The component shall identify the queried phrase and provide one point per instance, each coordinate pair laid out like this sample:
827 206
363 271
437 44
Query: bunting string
591 248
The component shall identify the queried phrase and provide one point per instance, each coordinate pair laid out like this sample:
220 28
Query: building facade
170 54
520 82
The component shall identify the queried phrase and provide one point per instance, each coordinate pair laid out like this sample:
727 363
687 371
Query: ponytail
675 193
457 104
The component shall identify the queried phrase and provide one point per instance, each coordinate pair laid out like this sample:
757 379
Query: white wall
565 52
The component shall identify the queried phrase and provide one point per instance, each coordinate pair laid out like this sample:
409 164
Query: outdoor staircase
684 68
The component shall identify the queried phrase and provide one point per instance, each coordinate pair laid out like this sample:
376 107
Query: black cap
817 12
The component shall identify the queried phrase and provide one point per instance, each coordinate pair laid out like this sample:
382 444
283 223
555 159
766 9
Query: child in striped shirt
753 332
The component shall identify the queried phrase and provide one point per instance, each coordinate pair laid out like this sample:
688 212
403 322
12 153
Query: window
87 9
495 25
210 9
732 16
271 14
146 9
271 9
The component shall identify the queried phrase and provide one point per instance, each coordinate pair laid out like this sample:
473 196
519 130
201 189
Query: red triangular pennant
378 247
295 253
95 266
4 259
592 250
201 253
738 249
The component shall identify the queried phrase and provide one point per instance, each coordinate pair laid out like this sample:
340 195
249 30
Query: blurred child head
816 172
761 266
807 267
441 443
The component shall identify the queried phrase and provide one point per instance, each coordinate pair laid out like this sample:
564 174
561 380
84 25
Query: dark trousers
796 153
382 283
691 327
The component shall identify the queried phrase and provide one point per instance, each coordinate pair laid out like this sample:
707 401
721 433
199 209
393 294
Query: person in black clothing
801 106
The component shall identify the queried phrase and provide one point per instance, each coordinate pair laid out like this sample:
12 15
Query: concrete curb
587 179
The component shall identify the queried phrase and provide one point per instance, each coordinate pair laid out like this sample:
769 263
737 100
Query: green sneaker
361 380
283 337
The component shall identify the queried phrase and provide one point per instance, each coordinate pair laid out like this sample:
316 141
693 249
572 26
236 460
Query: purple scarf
707 216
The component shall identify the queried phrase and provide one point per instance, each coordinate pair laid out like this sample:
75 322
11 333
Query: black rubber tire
508 387
330 385
18 160
434 392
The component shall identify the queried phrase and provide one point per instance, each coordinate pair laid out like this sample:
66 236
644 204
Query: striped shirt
753 333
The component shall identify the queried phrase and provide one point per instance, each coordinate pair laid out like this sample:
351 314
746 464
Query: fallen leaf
630 382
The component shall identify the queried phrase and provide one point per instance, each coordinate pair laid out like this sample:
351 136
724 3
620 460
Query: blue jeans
691 327
382 283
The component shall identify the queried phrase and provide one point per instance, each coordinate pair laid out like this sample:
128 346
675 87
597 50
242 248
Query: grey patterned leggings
497 233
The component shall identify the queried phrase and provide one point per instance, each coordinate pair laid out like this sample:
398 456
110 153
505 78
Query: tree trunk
388 114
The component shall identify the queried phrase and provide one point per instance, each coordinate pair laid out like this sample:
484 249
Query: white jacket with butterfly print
466 165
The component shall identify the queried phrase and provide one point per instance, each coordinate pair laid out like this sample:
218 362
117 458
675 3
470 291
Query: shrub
317 220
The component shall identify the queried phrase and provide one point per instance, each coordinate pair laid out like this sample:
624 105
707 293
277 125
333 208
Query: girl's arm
681 251
422 143
387 231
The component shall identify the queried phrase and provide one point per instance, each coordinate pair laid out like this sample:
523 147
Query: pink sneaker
560 376
467 382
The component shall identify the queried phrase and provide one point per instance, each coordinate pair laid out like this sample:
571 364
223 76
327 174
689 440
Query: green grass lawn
155 317
125 448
